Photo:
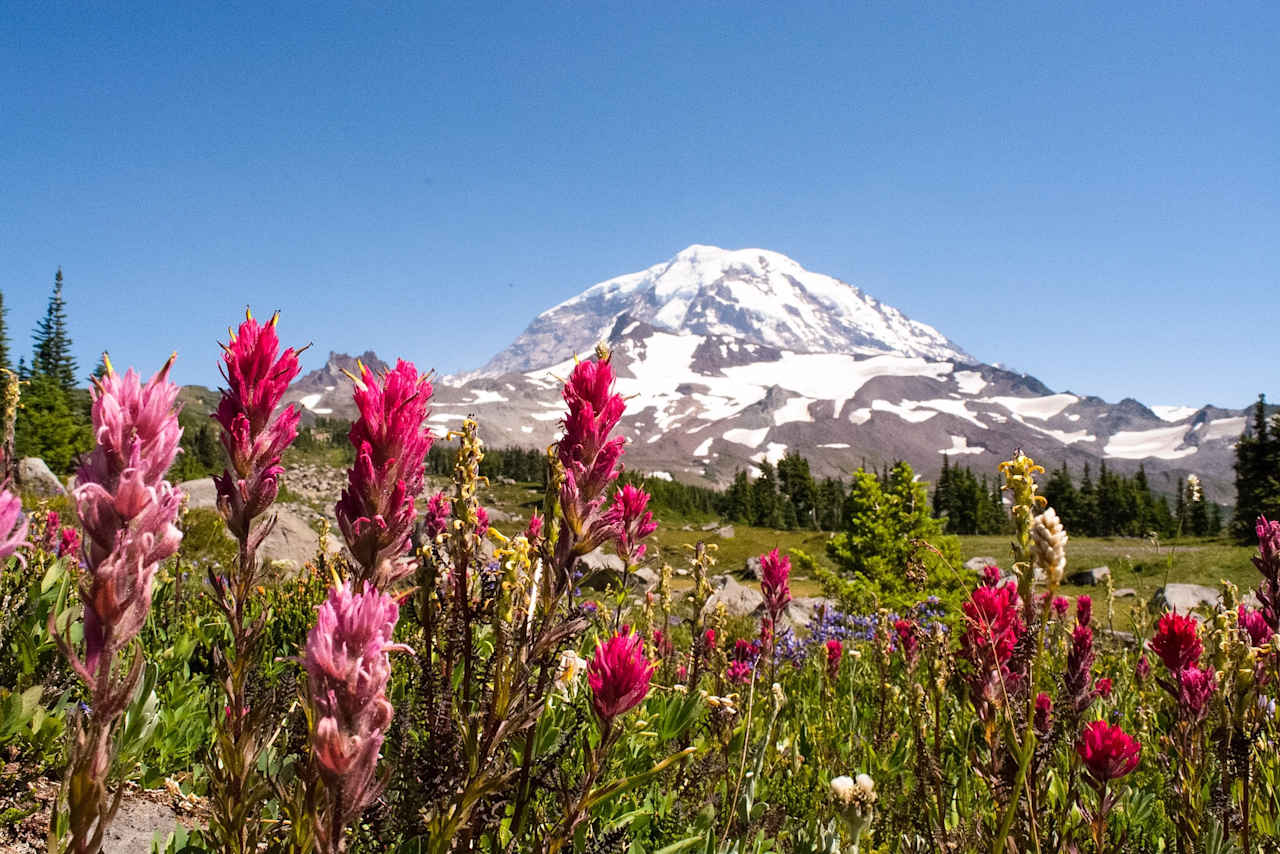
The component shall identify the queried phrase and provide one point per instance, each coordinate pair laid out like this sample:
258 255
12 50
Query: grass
1143 565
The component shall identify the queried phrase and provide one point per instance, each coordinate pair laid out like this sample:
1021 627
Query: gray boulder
602 569
599 560
752 568
975 564
1124 593
1090 577
291 543
802 611
1184 598
725 533
35 477
739 600
200 494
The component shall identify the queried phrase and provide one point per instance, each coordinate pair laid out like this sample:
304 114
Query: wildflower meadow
445 683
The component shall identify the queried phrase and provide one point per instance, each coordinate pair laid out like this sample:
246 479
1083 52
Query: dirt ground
143 814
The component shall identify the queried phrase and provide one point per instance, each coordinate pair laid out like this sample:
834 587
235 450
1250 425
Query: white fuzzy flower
569 673
1049 545
842 789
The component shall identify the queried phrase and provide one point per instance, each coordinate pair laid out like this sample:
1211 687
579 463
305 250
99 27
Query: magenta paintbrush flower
348 666
254 435
1109 753
589 458
631 521
1177 641
13 525
1253 623
619 676
1268 563
376 511
1195 687
436 520
992 627
775 574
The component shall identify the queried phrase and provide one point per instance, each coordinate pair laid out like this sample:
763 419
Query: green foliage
1257 473
1118 505
51 341
50 425
881 554
968 505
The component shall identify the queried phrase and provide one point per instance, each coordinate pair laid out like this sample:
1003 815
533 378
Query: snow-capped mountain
720 373
756 296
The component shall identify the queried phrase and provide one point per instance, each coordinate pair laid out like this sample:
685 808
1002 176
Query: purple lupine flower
376 511
347 659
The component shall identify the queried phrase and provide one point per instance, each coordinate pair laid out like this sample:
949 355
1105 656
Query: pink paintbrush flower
127 511
126 507
376 511
13 525
631 522
347 659
253 433
775 574
619 676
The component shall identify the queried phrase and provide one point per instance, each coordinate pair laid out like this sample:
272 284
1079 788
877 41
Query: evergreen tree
49 427
796 482
739 506
885 519
52 342
1061 494
764 496
1257 473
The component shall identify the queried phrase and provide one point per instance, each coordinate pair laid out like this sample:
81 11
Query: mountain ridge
703 404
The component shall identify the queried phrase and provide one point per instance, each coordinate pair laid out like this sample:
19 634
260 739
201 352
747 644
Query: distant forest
53 423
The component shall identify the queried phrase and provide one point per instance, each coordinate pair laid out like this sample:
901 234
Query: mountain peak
757 295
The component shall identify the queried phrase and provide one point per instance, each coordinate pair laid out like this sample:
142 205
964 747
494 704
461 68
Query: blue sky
1090 194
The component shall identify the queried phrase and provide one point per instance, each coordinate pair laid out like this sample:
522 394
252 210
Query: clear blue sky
1090 194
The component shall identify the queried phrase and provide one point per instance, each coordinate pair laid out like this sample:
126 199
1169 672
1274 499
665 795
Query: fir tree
1257 473
52 342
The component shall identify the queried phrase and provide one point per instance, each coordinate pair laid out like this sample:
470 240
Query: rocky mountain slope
730 358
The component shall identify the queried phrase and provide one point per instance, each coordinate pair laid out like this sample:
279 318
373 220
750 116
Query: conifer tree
1257 473
51 356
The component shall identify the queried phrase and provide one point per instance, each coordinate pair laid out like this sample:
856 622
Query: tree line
1257 472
